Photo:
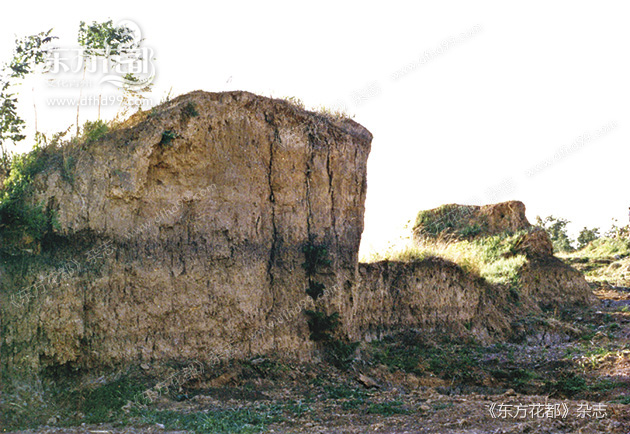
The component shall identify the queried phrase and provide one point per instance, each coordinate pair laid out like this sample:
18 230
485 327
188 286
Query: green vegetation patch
518 379
451 219
167 138
21 221
316 257
241 420
24 223
622 400
315 289
104 403
321 325
495 258
567 384
189 111
387 408
606 248
556 228
93 131
448 361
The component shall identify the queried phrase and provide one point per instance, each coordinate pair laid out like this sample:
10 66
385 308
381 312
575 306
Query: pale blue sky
489 91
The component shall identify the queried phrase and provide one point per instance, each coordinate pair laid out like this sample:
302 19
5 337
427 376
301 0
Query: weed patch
167 138
189 111
321 325
93 131
494 258
21 221
568 385
448 361
448 219
104 403
316 257
387 408
237 421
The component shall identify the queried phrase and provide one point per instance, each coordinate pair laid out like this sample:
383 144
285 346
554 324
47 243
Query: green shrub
340 352
18 216
190 111
67 168
321 325
586 236
352 404
453 362
504 271
397 356
104 403
315 289
622 400
316 258
516 378
94 130
568 384
167 137
557 230
470 231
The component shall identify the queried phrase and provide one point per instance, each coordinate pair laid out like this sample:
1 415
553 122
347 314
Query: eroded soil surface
570 373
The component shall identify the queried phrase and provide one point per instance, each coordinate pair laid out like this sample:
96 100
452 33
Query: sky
469 102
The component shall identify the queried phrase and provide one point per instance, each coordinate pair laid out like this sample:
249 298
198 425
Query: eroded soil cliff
181 235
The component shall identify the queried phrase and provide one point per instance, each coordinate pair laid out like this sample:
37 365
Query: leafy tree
557 230
103 40
99 39
132 89
618 231
11 124
107 41
29 52
586 236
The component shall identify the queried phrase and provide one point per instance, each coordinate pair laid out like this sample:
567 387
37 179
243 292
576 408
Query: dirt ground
571 374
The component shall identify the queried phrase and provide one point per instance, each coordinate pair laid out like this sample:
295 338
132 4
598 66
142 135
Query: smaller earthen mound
469 221
433 295
516 271
535 243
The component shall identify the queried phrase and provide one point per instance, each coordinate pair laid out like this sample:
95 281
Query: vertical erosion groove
274 239
331 192
307 179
